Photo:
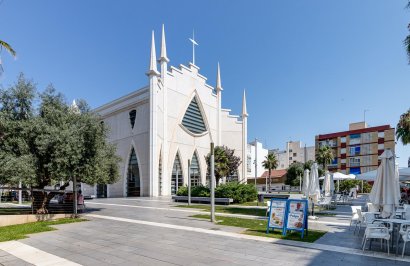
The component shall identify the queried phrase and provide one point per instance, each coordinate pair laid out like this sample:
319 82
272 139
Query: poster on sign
277 214
296 215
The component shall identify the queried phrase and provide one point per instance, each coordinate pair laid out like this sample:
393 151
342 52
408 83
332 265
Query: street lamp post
212 183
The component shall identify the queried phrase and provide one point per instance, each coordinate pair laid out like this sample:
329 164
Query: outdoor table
400 212
396 224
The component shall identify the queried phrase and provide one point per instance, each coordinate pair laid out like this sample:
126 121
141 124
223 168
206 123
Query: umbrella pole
313 209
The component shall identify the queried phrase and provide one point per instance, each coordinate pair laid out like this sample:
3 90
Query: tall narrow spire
153 59
218 79
163 47
244 112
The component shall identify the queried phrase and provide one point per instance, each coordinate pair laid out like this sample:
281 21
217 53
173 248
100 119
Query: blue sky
308 67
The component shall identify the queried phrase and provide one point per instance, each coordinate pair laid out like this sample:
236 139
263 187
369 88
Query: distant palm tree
325 156
271 162
8 48
403 128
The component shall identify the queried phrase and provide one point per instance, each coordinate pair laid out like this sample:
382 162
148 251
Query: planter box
225 201
29 218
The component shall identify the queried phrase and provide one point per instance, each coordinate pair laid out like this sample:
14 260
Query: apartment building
357 150
295 151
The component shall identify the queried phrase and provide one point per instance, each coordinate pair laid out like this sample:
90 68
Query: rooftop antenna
193 46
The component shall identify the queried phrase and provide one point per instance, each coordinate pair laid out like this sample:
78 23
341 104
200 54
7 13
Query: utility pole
75 195
212 183
189 182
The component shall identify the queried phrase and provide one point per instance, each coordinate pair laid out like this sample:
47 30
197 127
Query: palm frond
407 45
8 47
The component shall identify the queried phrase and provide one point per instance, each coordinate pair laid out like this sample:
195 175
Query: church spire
218 80
163 47
244 112
153 59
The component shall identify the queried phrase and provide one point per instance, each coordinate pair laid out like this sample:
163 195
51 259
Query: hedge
238 192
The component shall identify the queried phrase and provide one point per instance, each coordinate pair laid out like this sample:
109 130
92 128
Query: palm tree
403 128
271 162
221 164
8 48
324 156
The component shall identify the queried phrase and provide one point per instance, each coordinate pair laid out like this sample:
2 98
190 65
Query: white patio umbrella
328 184
314 188
305 187
384 194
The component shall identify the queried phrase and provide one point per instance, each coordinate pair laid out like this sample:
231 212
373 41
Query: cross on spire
193 46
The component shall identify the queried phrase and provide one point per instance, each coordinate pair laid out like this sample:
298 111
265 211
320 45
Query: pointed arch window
195 171
133 176
177 179
133 115
193 119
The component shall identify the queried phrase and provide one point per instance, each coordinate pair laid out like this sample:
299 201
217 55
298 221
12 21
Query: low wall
29 218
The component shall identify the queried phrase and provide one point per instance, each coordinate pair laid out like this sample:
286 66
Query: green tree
403 128
226 163
50 143
270 162
324 156
294 173
8 48
308 165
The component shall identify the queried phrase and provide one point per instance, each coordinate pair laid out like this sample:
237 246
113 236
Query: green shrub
196 191
346 185
238 192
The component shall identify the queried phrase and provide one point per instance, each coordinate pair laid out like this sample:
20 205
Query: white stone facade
159 135
253 148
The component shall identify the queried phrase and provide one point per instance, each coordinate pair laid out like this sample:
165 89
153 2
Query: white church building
161 126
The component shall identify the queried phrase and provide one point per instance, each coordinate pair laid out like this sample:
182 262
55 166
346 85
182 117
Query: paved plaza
142 231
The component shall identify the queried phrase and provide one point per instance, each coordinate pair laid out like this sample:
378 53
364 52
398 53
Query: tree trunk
41 199
270 181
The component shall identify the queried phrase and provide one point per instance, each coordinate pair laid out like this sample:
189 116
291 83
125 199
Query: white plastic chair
405 234
355 217
268 208
379 232
326 202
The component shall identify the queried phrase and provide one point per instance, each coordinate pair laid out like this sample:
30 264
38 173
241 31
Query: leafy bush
238 192
346 185
196 191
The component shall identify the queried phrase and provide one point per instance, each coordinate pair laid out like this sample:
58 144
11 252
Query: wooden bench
225 201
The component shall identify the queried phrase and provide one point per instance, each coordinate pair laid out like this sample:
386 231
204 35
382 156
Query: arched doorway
177 179
195 171
101 191
133 176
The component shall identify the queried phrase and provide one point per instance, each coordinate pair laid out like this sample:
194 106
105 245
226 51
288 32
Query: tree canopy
294 173
51 142
403 128
226 163
270 162
324 156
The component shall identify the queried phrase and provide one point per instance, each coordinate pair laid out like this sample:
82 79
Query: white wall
261 154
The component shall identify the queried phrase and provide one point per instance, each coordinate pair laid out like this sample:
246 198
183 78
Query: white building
255 148
295 151
161 126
